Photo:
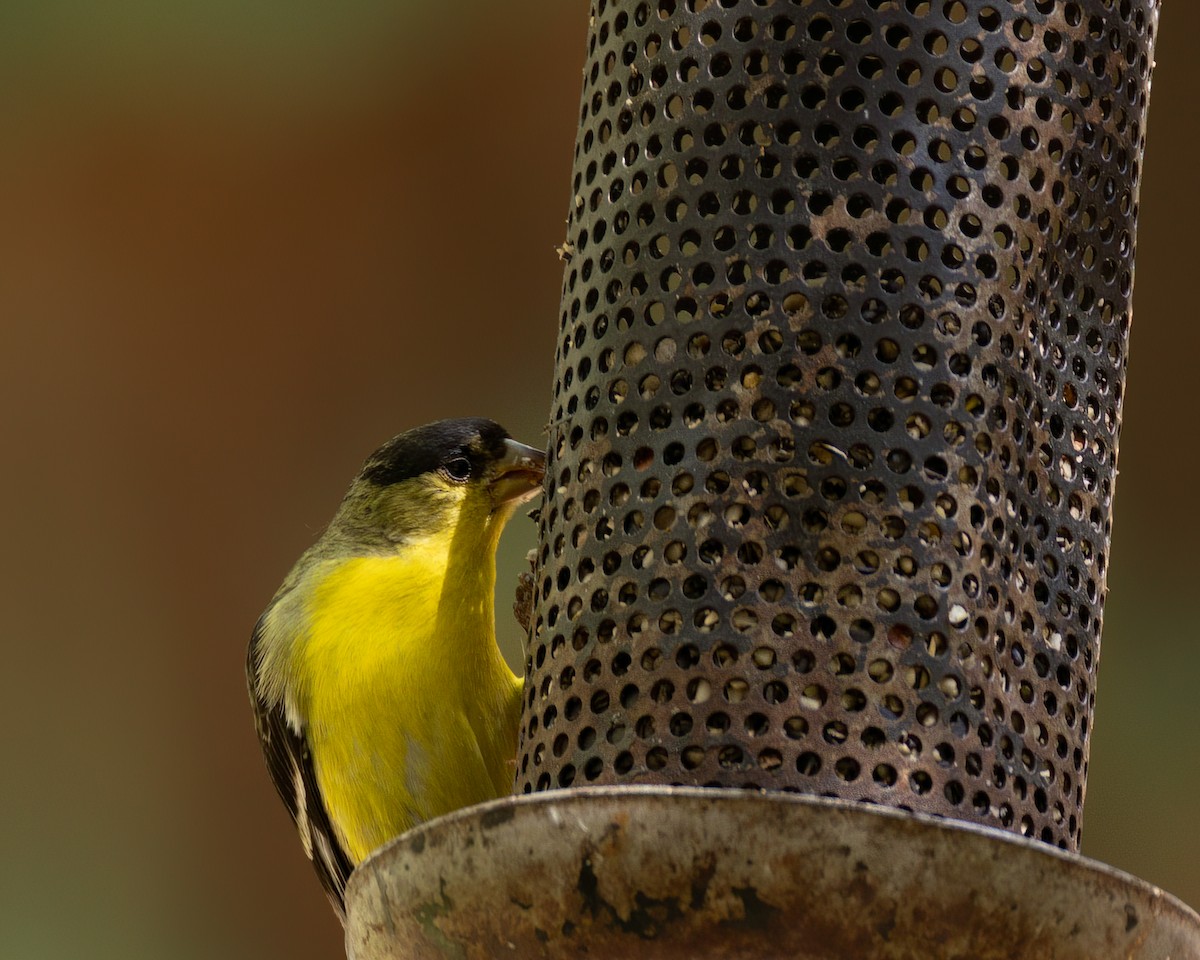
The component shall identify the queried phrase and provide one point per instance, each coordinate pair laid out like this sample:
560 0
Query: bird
380 697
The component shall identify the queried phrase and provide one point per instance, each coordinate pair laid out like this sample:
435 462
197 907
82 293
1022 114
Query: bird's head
461 478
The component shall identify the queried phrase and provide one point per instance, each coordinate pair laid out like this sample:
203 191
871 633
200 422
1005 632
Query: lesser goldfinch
380 697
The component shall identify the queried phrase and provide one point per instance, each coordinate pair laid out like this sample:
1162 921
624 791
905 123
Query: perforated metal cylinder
839 386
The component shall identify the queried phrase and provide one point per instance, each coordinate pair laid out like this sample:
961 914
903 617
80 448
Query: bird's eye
458 469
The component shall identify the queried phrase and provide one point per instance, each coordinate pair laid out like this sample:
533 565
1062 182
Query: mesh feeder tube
838 388
839 382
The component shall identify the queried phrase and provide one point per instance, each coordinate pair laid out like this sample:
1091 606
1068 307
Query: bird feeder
839 376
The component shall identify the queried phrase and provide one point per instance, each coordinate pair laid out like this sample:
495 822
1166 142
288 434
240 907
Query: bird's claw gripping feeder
839 376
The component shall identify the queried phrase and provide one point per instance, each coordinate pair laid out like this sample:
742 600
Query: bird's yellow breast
410 710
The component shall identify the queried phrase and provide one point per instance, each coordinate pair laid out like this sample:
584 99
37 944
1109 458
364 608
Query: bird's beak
518 474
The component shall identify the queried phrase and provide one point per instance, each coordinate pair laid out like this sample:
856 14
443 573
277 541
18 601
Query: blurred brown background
240 244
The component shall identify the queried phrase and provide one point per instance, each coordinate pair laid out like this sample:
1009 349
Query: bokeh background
243 242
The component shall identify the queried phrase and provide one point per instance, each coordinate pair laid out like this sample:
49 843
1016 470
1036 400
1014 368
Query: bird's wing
290 764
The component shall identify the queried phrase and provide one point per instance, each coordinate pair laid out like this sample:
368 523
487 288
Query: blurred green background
243 242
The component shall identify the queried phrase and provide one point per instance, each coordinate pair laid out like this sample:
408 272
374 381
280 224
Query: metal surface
655 873
838 392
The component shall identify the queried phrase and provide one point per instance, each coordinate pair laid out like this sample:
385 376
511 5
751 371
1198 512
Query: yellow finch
380 697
